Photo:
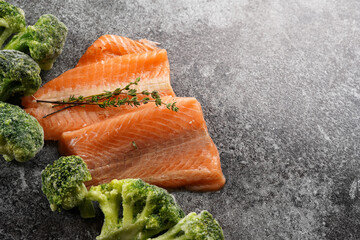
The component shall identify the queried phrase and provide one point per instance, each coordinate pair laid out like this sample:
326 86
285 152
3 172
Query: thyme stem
57 111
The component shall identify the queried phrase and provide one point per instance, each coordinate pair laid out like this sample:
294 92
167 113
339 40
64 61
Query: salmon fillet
173 149
152 67
108 46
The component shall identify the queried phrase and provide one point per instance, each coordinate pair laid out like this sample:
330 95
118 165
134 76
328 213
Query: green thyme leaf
134 144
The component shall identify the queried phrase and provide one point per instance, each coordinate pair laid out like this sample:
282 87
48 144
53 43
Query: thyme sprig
130 96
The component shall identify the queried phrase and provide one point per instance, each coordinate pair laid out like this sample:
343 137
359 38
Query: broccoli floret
12 20
146 209
199 227
133 209
63 185
44 41
21 136
19 74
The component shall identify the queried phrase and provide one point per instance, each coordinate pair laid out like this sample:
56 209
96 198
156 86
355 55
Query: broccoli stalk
201 227
44 41
19 74
63 185
21 136
109 198
12 20
147 209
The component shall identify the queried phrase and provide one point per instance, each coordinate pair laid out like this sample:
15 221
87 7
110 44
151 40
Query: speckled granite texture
279 85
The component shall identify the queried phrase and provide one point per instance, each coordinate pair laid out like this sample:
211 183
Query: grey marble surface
279 85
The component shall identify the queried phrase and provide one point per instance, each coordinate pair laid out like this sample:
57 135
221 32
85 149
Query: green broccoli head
44 41
63 185
19 74
193 226
146 209
12 20
21 136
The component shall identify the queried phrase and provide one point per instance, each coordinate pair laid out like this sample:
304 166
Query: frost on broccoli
63 185
19 74
200 227
21 136
145 210
12 20
44 41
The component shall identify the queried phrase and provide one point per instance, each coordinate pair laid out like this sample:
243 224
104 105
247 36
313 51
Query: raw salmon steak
152 67
109 46
162 147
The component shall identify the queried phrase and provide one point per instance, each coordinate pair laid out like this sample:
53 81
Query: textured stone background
279 85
